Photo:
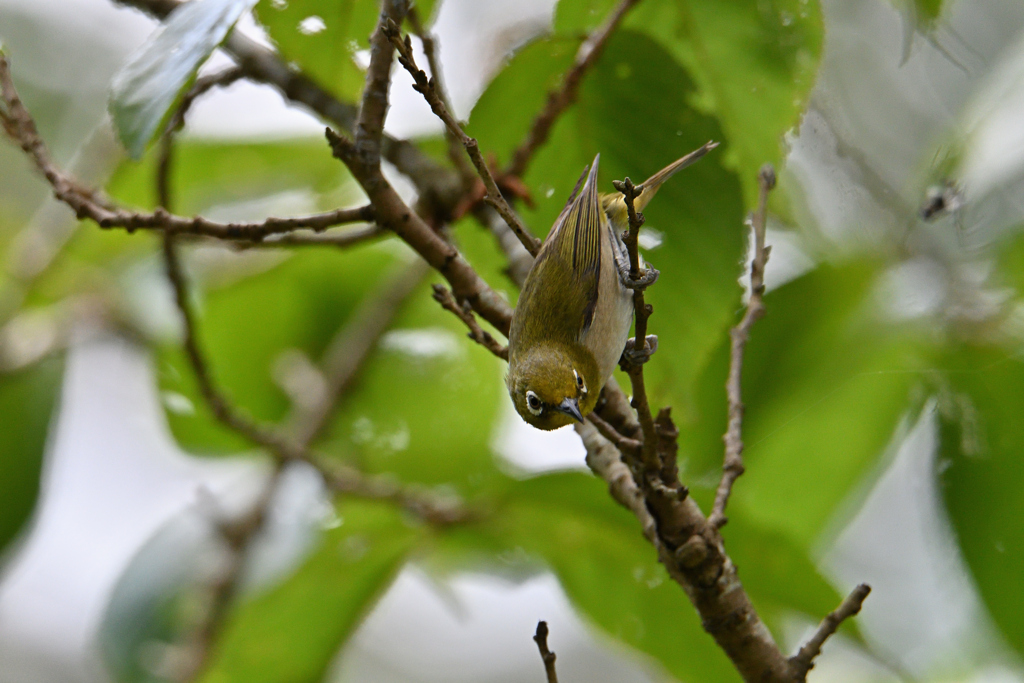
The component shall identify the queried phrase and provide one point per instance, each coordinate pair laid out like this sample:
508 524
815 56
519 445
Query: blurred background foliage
872 326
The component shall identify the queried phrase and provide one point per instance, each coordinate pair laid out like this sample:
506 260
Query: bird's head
554 385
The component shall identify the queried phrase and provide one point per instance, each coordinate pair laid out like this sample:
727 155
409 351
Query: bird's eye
534 403
579 382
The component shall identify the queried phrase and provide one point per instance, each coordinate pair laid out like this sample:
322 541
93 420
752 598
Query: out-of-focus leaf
639 119
754 61
245 327
426 403
144 91
27 399
207 174
294 631
322 37
825 384
982 471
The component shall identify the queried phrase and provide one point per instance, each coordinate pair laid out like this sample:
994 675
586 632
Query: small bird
573 317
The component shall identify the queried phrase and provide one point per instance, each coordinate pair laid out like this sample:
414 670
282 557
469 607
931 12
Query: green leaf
982 473
293 632
27 400
755 63
208 174
146 88
298 304
425 405
322 37
825 384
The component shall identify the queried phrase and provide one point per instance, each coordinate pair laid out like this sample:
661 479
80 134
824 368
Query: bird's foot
631 356
648 276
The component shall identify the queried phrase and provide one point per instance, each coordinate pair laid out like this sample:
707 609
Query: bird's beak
652 184
570 407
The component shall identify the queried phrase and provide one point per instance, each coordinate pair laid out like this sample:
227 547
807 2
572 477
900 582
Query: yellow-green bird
573 317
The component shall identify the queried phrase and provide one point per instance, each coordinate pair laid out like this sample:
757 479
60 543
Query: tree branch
465 313
733 464
636 355
427 88
803 661
561 99
548 657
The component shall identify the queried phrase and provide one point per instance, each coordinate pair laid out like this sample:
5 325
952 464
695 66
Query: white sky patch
426 342
312 25
532 450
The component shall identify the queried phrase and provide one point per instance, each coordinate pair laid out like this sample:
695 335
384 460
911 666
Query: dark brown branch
625 444
803 661
395 215
464 313
541 638
560 100
733 463
636 354
428 89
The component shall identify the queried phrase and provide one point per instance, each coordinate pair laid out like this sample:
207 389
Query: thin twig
444 296
561 99
430 49
732 467
623 443
541 638
428 89
803 661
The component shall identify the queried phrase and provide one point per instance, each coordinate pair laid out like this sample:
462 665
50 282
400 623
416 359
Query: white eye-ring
579 382
534 404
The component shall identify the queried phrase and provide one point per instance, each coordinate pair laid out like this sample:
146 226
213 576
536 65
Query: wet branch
733 468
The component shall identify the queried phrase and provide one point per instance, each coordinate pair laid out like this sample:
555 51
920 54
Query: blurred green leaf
146 88
27 400
207 174
825 384
292 633
426 404
982 473
755 63
298 304
322 37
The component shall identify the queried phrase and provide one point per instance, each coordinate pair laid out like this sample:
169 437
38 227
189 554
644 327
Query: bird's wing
572 255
